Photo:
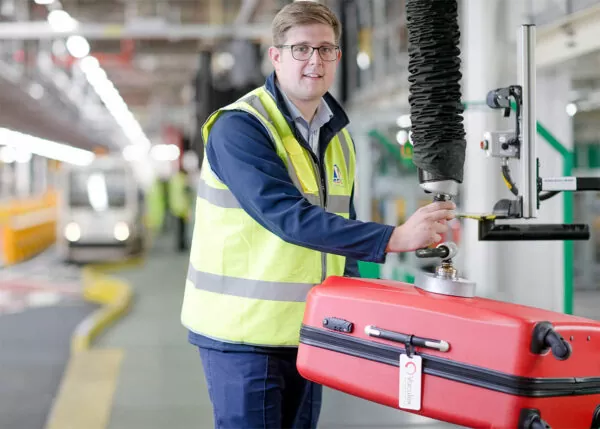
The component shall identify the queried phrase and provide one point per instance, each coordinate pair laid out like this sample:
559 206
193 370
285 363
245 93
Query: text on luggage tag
411 374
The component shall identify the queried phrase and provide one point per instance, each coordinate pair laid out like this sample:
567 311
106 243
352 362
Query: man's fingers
442 214
440 228
440 205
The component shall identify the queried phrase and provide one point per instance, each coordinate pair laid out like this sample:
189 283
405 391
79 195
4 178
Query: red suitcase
483 363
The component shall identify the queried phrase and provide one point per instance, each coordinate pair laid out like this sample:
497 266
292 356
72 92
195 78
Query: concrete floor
34 350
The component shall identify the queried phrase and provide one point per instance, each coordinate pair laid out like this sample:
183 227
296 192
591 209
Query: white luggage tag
411 377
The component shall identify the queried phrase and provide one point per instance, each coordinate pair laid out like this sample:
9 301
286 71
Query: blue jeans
259 391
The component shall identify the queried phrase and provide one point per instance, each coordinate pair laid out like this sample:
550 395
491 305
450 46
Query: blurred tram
101 212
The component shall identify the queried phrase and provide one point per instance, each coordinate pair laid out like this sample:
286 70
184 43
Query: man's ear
275 55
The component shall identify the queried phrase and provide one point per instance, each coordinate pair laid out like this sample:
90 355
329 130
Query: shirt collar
322 116
334 126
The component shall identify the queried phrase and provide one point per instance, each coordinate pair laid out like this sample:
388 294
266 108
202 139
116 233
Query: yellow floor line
85 396
113 294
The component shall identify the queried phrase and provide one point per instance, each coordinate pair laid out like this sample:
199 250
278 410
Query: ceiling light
113 101
225 61
44 2
134 153
61 21
78 46
571 109
164 152
46 148
401 137
89 63
363 60
36 91
404 121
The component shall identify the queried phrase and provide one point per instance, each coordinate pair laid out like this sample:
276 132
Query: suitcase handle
406 339
538 423
531 419
544 337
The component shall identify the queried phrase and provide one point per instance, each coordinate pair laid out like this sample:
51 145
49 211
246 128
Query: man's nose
315 58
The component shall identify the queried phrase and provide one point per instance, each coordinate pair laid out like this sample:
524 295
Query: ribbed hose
435 99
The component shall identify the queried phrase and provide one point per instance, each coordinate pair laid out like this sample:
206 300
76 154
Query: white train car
101 212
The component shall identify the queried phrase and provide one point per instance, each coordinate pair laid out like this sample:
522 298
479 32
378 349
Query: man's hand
423 228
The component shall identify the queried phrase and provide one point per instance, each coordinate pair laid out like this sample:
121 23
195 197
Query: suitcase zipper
445 368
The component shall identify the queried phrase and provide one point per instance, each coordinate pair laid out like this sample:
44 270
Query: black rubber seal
460 372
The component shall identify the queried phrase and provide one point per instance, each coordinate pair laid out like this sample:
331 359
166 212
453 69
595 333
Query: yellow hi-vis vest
178 200
245 284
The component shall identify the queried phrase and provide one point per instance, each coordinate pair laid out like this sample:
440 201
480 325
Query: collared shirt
311 131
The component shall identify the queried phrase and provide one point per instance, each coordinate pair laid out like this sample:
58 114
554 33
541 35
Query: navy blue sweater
243 157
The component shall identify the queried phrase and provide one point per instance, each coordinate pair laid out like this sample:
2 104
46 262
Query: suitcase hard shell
498 370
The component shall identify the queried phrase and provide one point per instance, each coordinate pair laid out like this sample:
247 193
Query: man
275 217
179 206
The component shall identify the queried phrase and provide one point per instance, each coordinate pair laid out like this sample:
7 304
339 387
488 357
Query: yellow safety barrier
113 294
27 227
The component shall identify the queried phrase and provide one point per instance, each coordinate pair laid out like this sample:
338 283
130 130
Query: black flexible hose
513 187
435 98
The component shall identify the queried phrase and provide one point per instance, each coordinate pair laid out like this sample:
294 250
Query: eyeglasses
304 52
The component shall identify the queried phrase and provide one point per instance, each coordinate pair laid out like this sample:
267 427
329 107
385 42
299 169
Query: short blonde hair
303 13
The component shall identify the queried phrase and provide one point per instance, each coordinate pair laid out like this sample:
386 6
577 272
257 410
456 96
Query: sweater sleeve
351 269
243 157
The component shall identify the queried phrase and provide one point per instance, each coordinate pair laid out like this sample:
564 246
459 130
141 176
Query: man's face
305 80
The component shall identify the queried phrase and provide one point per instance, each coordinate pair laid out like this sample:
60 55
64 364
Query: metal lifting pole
529 170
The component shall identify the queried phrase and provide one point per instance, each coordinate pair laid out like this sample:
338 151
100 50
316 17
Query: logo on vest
337 176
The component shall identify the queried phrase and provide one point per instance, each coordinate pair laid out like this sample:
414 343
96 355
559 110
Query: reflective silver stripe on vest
345 148
341 203
313 199
338 204
217 197
245 288
254 101
224 197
